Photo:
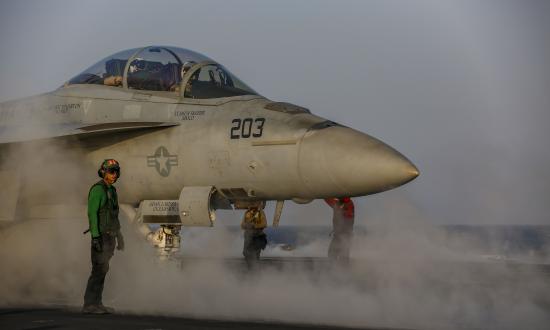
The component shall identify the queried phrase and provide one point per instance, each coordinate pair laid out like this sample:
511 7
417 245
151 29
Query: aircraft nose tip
402 170
413 171
342 161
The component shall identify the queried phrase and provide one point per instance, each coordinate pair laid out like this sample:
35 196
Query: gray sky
462 88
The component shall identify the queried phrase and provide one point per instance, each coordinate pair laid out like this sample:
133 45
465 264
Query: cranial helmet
109 165
186 67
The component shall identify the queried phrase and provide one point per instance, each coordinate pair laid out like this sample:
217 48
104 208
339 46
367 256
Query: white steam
403 274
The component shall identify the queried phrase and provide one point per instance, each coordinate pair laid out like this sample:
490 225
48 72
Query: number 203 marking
245 128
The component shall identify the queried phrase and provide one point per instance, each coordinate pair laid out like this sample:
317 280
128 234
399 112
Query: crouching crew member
255 240
105 233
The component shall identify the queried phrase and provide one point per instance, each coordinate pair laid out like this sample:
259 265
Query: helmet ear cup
100 173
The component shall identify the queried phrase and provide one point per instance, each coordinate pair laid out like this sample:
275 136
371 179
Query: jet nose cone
339 161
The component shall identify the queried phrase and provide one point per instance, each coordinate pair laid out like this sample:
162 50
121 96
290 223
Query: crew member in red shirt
342 227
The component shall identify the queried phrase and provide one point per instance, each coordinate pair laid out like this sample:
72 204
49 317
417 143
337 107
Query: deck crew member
254 222
342 224
105 234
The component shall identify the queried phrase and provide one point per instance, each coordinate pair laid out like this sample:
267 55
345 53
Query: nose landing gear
167 240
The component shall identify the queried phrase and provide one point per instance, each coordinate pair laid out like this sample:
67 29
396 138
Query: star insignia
162 161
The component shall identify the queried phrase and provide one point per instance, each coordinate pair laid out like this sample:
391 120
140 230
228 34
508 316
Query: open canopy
165 69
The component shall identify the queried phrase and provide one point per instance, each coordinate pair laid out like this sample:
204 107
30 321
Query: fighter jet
191 138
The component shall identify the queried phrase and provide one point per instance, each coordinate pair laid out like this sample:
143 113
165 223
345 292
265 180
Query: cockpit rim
180 94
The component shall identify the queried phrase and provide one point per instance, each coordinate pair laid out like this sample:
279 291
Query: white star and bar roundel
162 161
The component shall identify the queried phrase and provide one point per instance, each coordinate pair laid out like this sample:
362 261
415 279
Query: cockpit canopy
177 71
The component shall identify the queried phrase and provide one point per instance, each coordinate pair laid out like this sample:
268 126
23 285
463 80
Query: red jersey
348 209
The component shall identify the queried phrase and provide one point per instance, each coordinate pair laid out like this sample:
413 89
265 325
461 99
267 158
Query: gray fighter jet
190 137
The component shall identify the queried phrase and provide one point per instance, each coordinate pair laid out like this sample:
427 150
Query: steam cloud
407 273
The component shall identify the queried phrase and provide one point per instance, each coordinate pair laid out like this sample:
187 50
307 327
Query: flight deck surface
356 274
65 317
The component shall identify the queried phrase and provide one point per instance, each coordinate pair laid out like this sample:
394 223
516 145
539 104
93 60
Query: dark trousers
339 246
341 238
100 267
255 241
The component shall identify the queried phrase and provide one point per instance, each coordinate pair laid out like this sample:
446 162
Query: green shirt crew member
105 233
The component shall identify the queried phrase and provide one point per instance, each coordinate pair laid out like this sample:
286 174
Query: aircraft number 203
248 127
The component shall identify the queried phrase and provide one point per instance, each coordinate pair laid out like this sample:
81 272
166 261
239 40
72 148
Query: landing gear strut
167 240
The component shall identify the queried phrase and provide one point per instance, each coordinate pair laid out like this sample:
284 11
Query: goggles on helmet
113 170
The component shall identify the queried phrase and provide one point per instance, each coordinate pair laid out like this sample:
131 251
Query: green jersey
103 210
